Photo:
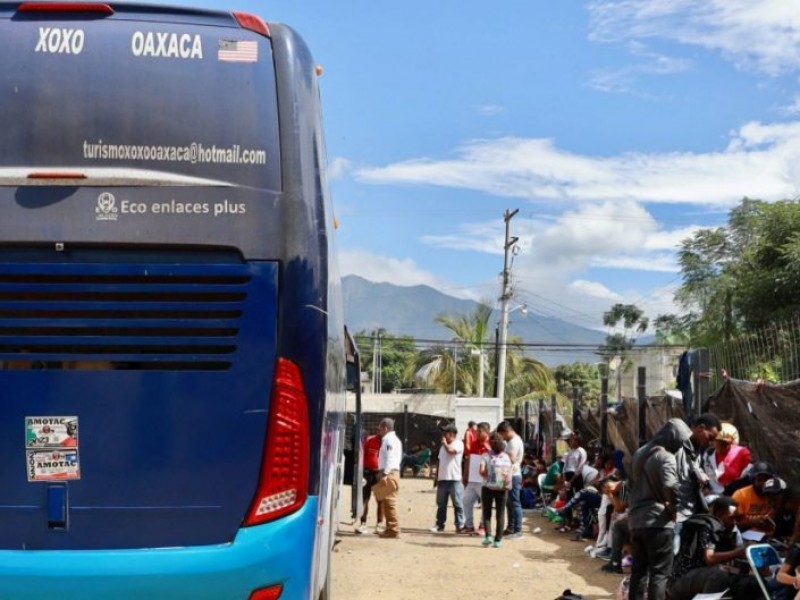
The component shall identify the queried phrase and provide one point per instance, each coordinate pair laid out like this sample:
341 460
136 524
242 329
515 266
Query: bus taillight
56 175
283 483
251 22
94 7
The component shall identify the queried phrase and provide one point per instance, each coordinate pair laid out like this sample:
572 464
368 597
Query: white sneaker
362 528
380 527
436 529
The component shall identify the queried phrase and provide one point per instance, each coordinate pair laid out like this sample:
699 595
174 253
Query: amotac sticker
52 448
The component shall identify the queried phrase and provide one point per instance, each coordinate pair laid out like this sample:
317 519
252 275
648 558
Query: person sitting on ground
574 461
726 461
709 540
588 500
754 511
786 582
415 460
608 470
552 478
784 508
619 534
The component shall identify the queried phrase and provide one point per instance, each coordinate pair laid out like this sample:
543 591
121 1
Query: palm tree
455 368
527 378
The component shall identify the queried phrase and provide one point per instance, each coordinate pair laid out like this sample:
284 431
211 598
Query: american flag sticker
233 51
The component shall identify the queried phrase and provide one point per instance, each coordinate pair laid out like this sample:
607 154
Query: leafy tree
740 277
395 353
581 375
618 345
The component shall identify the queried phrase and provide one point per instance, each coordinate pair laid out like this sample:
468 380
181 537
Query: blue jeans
514 505
453 490
589 501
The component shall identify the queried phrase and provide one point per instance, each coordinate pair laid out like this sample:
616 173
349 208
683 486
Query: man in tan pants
385 490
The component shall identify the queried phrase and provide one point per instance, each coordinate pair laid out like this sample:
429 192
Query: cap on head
449 428
762 468
776 485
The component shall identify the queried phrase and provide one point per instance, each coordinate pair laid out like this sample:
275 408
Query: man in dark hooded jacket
653 505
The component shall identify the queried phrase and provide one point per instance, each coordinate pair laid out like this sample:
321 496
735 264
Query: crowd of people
680 517
485 467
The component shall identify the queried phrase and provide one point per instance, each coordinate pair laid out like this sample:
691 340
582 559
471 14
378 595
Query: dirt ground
423 565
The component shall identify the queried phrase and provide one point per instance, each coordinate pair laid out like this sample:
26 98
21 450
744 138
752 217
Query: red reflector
252 22
270 593
66 7
56 175
283 482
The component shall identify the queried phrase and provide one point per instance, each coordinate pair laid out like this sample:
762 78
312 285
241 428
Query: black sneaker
612 567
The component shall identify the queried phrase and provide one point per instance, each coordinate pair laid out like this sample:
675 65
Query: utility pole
377 362
505 296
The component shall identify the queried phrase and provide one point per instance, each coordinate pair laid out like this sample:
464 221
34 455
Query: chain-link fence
771 354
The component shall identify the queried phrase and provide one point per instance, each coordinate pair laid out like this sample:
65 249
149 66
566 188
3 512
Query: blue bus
172 350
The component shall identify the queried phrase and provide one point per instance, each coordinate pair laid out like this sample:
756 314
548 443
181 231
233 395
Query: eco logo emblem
106 207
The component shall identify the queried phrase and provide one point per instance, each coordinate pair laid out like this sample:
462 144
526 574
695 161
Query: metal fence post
604 408
702 377
575 416
553 424
642 392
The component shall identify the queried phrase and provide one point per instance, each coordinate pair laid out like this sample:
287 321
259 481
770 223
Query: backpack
527 497
498 471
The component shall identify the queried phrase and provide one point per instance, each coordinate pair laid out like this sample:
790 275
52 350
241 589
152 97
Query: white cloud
624 79
594 289
489 110
664 263
760 161
792 109
338 168
615 235
763 35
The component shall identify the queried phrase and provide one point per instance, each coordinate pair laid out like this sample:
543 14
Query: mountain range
413 310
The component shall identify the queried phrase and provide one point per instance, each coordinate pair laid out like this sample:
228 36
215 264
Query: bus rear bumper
278 553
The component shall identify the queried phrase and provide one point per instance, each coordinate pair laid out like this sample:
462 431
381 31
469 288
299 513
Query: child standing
496 471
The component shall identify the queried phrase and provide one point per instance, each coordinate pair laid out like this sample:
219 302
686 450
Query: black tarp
767 418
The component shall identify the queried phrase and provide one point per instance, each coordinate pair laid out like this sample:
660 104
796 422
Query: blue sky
617 128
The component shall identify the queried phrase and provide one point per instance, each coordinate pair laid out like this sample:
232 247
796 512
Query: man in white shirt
389 458
515 450
449 484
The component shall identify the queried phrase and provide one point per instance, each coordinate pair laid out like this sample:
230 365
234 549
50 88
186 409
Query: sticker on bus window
51 432
53 465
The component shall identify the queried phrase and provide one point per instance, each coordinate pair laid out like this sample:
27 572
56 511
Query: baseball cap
776 485
761 468
449 428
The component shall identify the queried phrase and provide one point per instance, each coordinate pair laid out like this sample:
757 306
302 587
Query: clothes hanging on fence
684 381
